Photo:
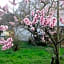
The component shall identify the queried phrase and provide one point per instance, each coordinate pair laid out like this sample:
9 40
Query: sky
4 2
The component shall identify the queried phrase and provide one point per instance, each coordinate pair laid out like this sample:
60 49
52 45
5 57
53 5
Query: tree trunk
57 55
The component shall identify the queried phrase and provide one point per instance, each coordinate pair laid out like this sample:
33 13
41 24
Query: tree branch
50 36
60 41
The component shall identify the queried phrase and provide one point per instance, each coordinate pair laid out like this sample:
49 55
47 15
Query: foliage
28 55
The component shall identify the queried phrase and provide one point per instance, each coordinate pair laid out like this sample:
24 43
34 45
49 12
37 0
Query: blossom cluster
43 21
6 44
3 27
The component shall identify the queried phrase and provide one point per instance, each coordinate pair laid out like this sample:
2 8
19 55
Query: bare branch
50 36
60 41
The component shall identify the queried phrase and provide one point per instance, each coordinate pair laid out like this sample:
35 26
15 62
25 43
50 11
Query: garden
32 32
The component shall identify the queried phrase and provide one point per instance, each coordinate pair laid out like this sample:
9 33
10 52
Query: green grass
28 55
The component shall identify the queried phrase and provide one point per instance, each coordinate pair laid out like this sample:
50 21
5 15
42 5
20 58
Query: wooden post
57 47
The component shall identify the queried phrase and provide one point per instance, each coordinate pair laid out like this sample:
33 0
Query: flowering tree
6 44
42 22
45 20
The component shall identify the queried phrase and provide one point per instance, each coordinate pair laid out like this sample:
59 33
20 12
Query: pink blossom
3 28
42 12
6 27
51 24
54 4
46 8
12 23
27 21
32 13
9 39
42 20
61 20
35 20
32 28
48 20
7 44
1 12
50 14
2 42
5 8
15 18
4 47
62 2
54 20
38 11
43 39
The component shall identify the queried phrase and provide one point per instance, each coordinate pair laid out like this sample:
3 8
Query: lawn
28 54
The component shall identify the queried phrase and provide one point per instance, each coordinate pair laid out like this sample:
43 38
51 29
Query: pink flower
6 27
42 20
32 28
53 22
32 13
46 8
42 12
35 19
2 42
15 18
46 22
50 14
51 25
7 44
61 20
4 47
5 8
54 4
12 23
43 39
3 28
27 21
9 39
1 12
38 11
62 2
